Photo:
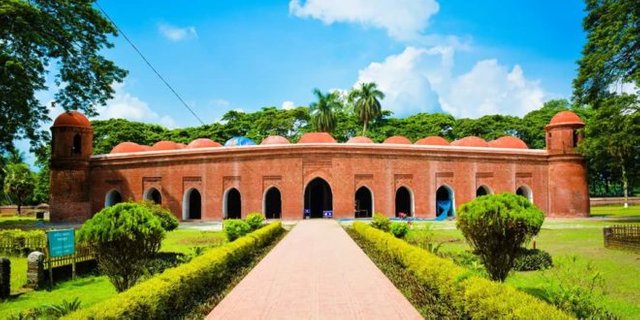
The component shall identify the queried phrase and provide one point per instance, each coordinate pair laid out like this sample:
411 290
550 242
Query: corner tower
568 190
71 149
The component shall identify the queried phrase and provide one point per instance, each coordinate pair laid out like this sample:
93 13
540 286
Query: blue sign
61 242
327 213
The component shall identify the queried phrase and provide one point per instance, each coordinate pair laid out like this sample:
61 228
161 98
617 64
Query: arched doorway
232 204
112 197
153 195
318 198
483 191
273 203
192 205
364 203
525 191
445 204
404 202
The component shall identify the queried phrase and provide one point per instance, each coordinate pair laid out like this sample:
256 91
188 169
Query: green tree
18 183
124 237
70 35
109 133
323 110
366 103
612 139
611 55
488 127
496 227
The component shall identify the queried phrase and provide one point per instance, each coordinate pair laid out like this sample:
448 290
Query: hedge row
166 295
477 297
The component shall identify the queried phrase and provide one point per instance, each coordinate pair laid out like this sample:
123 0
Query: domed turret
72 119
563 132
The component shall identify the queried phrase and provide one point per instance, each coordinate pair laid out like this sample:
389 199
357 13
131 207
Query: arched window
364 203
404 202
232 204
273 203
483 191
153 195
112 197
525 191
192 204
445 202
77 144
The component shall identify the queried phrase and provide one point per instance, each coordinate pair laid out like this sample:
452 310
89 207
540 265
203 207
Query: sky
466 58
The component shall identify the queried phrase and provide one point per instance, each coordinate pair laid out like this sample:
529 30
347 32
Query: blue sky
468 58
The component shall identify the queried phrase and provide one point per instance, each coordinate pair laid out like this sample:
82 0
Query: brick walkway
315 272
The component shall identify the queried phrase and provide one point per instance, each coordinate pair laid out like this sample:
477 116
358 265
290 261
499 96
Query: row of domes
321 137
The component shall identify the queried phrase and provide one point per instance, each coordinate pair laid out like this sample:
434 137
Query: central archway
404 202
318 198
364 203
273 203
233 204
192 205
445 204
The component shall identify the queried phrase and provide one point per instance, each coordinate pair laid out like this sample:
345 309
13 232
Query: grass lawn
92 289
10 222
616 211
563 238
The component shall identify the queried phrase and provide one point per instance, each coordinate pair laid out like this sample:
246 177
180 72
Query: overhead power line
149 63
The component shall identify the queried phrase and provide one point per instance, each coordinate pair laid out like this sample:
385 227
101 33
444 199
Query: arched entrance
404 202
318 198
483 191
525 191
112 197
445 204
273 203
192 205
364 203
232 204
153 195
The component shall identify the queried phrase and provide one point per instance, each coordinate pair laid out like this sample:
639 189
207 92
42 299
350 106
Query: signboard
61 242
327 213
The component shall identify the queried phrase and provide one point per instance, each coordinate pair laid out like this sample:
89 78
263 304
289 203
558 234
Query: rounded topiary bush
399 229
167 219
255 220
235 228
532 259
124 237
380 222
496 227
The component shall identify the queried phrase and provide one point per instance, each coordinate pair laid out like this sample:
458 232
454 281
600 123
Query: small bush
496 227
399 229
235 228
255 220
167 219
532 259
21 242
381 222
124 237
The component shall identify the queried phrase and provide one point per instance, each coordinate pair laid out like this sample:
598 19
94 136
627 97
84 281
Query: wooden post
73 266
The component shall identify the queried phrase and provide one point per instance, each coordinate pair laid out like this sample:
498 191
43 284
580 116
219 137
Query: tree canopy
59 40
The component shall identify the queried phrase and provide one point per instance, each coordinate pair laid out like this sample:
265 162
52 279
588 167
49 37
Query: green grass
183 240
563 238
18 272
616 211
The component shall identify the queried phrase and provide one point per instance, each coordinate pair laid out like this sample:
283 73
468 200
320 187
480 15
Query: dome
203 143
127 147
72 119
239 141
471 141
508 142
433 141
317 137
566 117
397 140
165 145
181 145
275 140
360 139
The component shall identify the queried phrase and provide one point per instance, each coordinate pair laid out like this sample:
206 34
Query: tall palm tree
366 100
322 111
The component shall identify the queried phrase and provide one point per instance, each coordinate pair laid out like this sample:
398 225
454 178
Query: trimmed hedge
166 295
477 297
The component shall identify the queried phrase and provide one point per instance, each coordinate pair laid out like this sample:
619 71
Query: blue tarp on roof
239 141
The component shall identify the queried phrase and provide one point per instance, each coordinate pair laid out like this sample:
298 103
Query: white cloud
421 80
402 19
126 106
175 33
288 105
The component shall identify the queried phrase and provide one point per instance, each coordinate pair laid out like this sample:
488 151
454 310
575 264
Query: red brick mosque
316 176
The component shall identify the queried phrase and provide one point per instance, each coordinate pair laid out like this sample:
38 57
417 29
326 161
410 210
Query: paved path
315 272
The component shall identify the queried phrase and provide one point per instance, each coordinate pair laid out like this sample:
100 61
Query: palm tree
366 100
322 111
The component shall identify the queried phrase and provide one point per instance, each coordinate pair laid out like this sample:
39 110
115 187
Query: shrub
478 298
124 237
174 292
19 242
496 226
399 229
532 259
255 220
380 222
235 228
167 219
